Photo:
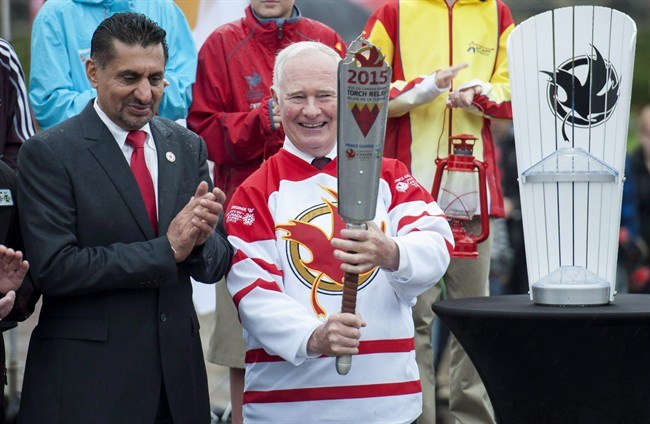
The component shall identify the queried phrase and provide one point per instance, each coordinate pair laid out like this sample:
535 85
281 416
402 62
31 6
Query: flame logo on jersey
315 264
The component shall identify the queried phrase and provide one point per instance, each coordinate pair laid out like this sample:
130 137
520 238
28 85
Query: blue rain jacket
61 34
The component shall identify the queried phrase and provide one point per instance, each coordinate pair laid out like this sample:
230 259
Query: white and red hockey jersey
285 281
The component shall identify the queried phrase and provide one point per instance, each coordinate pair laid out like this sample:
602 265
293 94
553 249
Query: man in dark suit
116 216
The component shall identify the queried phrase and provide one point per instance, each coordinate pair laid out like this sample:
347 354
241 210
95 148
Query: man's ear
91 72
276 99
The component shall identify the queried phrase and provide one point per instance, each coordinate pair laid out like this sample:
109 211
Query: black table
564 365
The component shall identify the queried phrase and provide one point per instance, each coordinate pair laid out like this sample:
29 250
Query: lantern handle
441 164
485 215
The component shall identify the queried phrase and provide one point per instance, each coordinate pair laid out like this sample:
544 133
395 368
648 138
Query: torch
363 89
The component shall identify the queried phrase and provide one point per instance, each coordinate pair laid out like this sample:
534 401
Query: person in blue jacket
60 46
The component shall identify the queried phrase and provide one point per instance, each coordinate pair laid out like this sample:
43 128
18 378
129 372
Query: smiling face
307 99
130 85
272 9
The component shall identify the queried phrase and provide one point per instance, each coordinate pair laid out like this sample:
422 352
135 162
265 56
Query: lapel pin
170 157
6 199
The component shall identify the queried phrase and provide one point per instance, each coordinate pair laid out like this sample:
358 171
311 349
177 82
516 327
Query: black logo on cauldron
583 91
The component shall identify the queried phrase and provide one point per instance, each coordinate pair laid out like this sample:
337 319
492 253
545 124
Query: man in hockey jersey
291 253
233 112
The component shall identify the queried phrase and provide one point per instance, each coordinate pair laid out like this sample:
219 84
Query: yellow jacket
420 37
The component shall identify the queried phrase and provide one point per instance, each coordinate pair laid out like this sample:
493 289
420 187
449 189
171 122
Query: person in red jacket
234 113
232 107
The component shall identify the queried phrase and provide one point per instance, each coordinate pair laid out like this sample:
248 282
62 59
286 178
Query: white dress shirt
150 153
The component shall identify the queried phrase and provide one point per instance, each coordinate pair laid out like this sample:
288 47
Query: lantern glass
459 194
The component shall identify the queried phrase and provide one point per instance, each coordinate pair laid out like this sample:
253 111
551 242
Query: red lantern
459 188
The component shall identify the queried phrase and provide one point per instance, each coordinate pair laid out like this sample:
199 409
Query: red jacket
231 109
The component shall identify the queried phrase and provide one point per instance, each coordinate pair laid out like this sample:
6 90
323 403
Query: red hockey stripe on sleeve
266 266
262 284
413 218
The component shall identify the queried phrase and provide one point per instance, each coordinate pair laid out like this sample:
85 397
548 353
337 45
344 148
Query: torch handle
349 305
350 284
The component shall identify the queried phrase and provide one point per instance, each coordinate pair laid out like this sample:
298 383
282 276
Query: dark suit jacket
117 319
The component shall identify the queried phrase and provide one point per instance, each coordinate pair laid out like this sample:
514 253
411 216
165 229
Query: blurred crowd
221 83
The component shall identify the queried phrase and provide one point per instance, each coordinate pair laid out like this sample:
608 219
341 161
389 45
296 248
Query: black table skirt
548 365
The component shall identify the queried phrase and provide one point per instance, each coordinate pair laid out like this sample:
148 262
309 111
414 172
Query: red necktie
142 176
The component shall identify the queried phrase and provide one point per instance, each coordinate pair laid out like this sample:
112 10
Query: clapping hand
12 272
12 269
206 214
196 221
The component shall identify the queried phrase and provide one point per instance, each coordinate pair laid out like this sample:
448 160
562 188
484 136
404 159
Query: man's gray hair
296 49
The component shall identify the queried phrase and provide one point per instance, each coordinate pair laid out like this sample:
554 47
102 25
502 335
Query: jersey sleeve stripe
262 284
266 266
408 220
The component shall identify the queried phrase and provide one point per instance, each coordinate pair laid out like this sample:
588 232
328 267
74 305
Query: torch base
571 286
